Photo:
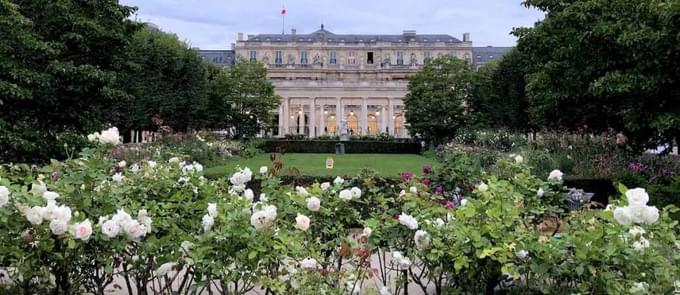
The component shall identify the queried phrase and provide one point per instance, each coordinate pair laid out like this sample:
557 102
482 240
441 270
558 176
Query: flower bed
93 224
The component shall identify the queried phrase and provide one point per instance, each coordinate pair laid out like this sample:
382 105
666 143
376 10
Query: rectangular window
303 57
428 56
278 59
253 55
350 58
333 58
369 58
400 58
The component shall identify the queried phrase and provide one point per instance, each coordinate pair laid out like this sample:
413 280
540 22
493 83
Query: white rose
650 214
637 197
555 175
165 268
540 192
356 192
207 222
338 181
82 230
309 263
58 227
637 213
134 230
641 245
173 160
110 228
482 187
118 177
263 170
463 202
302 222
249 194
121 217
439 222
4 196
212 209
623 216
35 215
402 193
135 168
122 164
325 186
421 239
152 164
110 136
413 190
367 232
94 137
345 195
519 159
50 196
408 221
522 254
62 213
313 204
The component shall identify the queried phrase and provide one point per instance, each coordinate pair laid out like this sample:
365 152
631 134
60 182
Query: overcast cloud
213 24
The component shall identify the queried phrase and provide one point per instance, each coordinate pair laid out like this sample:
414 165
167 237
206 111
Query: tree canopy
605 65
437 100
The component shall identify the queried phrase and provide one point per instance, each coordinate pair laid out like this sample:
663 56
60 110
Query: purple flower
54 175
439 189
427 169
426 182
406 176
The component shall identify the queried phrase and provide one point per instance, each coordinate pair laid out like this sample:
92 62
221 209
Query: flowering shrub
95 224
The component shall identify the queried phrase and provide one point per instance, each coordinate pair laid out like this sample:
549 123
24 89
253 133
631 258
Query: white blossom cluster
400 260
302 222
408 221
637 210
190 168
239 180
4 196
264 217
422 239
122 223
555 176
350 194
108 136
209 219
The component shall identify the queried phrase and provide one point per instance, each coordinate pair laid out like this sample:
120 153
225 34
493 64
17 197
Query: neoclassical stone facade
328 79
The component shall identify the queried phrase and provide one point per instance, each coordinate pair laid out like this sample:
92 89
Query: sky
214 24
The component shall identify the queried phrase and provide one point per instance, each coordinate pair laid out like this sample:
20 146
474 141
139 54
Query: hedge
351 147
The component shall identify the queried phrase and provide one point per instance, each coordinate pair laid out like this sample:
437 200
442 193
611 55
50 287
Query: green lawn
345 165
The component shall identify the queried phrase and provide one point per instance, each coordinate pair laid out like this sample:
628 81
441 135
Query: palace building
327 79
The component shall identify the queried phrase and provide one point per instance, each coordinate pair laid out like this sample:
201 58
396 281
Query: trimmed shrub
351 147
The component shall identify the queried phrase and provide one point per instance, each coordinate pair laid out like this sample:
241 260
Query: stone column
281 119
322 123
312 117
339 114
390 116
383 115
286 116
364 116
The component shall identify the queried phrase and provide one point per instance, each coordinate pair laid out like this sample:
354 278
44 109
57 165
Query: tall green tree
241 99
59 63
436 104
606 65
166 79
500 99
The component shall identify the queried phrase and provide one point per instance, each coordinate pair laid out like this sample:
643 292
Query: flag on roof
283 11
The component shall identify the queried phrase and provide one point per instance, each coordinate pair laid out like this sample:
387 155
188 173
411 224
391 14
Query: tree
437 98
241 98
58 60
166 79
606 65
500 100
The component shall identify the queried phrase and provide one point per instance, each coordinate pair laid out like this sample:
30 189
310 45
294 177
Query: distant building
335 82
484 55
220 57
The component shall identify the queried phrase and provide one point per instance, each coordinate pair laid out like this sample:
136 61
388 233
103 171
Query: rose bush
94 223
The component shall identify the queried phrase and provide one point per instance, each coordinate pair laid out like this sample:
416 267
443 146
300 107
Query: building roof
324 35
482 55
220 56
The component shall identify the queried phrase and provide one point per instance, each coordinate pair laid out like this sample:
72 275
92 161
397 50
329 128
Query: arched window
352 123
398 124
330 124
372 124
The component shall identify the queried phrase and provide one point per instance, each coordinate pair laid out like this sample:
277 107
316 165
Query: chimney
240 36
293 31
466 37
